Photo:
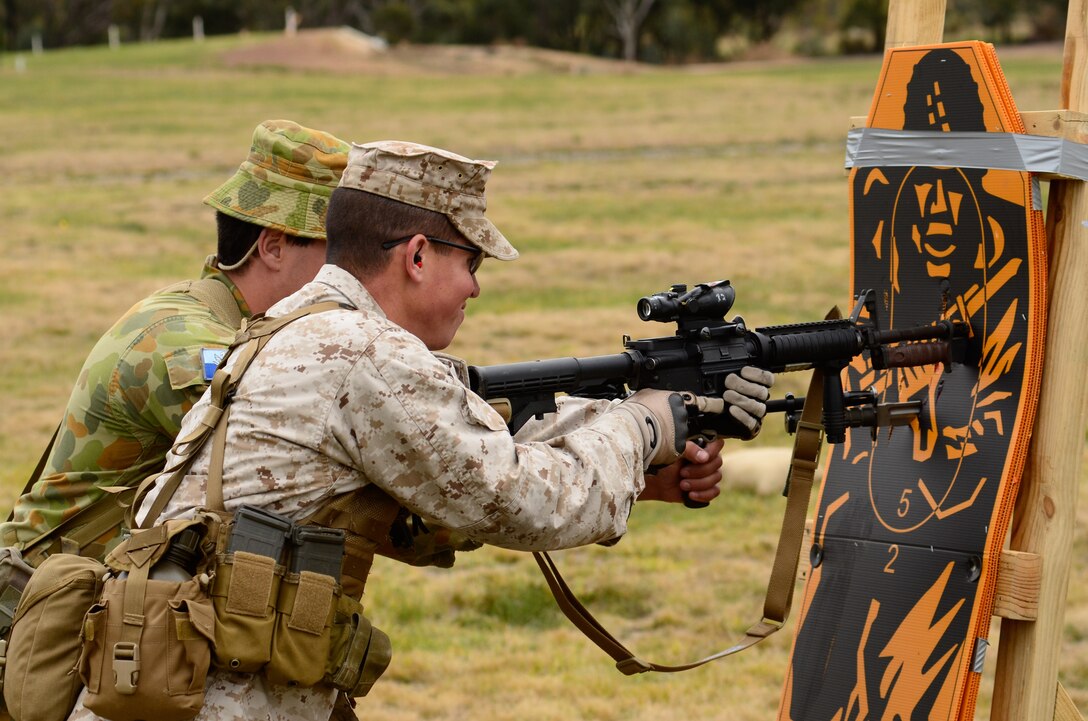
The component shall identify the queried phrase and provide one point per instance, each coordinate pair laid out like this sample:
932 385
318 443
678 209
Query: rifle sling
779 596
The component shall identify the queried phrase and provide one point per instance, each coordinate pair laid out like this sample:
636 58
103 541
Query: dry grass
613 186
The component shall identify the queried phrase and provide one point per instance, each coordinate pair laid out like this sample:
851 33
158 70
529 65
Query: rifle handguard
909 355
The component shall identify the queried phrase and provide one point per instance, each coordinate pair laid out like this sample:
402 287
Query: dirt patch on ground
345 50
348 51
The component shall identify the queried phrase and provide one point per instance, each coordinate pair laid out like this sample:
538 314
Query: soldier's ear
413 257
270 247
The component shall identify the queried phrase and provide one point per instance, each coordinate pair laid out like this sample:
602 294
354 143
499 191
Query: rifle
707 348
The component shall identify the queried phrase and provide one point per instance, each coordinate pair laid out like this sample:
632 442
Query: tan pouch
149 659
43 648
358 653
15 573
244 592
304 616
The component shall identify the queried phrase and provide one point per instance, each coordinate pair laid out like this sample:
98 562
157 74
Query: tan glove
662 418
423 543
745 397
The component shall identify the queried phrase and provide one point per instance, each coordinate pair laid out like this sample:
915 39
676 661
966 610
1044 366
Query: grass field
613 185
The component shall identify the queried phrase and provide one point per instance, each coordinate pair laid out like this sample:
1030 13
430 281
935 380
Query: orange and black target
910 523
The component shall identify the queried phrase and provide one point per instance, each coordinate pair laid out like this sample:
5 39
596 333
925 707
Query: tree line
656 31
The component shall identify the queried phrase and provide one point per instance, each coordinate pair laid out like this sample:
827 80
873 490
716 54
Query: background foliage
659 31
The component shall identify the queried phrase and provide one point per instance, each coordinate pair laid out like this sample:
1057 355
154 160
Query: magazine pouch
304 616
245 591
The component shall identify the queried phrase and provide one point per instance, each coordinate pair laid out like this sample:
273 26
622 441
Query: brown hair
237 236
359 222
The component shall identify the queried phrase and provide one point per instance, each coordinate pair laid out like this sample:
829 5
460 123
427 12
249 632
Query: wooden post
1026 682
914 22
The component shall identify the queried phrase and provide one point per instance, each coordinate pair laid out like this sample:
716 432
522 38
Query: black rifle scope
706 301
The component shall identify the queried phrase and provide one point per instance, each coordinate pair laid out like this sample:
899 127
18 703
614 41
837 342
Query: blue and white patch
211 358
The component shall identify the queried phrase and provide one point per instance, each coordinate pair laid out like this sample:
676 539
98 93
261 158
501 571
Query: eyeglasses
474 262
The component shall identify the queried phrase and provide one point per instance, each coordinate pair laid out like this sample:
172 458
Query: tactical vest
373 522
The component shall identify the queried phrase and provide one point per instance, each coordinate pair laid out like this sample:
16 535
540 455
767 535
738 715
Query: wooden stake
914 22
1026 682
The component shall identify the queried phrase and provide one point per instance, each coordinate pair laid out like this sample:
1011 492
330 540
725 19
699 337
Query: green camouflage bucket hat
430 178
286 181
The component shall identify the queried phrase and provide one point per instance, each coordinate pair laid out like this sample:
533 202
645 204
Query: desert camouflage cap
430 178
286 181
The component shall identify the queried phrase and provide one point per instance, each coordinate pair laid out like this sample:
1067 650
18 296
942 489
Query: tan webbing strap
260 327
779 596
213 491
256 337
186 449
253 335
126 652
79 531
808 438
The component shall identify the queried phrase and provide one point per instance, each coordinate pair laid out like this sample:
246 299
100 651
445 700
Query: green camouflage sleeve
138 382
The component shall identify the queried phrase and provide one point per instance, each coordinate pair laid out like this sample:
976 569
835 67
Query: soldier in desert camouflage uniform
155 362
358 395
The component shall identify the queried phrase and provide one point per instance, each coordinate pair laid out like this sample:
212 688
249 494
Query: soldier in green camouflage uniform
150 368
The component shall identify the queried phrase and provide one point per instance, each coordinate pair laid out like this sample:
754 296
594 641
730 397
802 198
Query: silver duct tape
874 147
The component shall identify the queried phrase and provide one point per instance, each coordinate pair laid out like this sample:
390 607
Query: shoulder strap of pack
251 339
214 294
779 596
78 534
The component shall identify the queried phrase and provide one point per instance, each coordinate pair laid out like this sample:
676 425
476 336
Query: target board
911 521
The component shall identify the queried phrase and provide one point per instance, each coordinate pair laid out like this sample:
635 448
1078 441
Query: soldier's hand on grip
662 419
745 396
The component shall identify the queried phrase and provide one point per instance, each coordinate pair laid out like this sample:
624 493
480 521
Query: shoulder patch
210 358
